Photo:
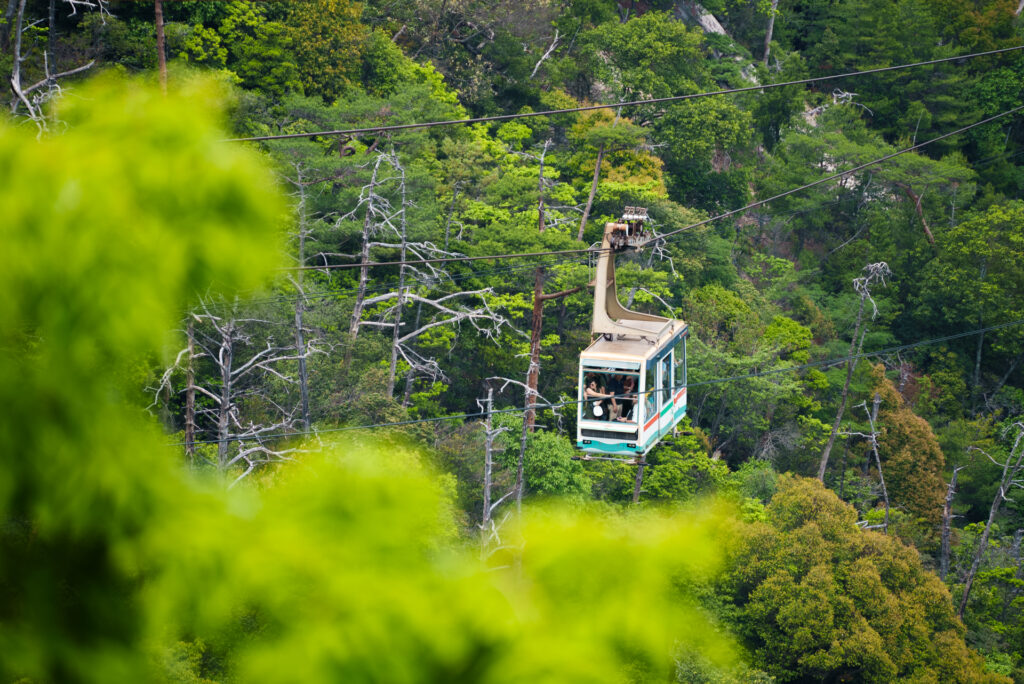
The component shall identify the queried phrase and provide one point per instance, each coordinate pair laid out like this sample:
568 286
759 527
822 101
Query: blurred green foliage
117 566
765 293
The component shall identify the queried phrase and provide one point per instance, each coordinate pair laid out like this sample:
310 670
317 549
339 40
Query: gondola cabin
632 377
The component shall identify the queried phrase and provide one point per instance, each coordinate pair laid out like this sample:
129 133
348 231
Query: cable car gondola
632 377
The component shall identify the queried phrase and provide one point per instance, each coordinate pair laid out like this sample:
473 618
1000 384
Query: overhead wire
756 204
390 285
383 286
631 103
715 381
379 286
861 167
718 217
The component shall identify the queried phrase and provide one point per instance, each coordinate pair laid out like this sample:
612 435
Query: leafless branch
547 54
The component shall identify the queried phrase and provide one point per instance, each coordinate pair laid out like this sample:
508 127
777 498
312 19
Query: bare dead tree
1013 468
551 48
947 523
190 393
875 273
872 438
302 234
487 527
410 375
33 97
244 361
381 219
371 202
530 403
537 319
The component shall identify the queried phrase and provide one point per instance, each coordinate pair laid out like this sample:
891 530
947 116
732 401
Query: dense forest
290 385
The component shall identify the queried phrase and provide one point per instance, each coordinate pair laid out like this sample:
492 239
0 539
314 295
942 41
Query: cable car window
666 379
650 405
679 381
609 395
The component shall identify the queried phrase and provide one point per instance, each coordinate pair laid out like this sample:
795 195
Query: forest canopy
276 407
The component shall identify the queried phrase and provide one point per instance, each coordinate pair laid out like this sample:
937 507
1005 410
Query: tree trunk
850 365
300 305
593 191
878 460
190 395
842 471
411 375
5 35
16 65
1014 590
300 348
485 517
364 271
947 524
537 324
396 334
1011 467
403 253
51 42
364 276
225 361
161 54
593 185
522 456
638 481
771 29
979 553
976 382
533 373
540 189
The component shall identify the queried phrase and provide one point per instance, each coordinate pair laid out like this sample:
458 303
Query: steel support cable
716 381
632 103
836 176
733 212
563 262
379 287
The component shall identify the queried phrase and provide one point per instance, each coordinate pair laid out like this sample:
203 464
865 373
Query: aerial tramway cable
733 212
716 381
631 103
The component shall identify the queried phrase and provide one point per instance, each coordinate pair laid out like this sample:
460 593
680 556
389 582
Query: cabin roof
633 348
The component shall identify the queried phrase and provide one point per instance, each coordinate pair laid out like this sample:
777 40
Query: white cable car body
632 377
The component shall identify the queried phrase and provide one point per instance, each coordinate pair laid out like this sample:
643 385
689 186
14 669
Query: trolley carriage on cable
632 377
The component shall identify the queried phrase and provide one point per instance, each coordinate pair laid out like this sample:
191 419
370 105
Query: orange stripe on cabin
651 422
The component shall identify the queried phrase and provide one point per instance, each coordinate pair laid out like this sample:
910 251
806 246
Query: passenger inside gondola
609 396
598 400
627 400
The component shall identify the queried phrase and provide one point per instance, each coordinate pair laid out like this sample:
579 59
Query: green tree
912 459
976 278
681 469
261 51
328 40
819 599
